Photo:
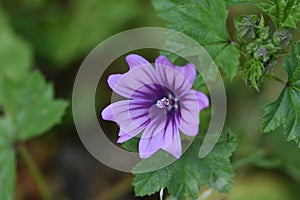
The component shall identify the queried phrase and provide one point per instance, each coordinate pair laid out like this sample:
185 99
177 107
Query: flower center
167 103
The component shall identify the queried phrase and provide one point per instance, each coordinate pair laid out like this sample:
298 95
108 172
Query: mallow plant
164 101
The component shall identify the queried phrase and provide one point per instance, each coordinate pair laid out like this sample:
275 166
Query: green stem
275 78
251 159
36 173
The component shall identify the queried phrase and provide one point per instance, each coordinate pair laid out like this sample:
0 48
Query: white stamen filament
161 193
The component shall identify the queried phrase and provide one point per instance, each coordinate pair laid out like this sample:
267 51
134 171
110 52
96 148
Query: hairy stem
36 173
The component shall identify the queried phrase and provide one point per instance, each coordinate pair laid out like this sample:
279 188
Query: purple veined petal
158 134
203 100
150 92
153 138
188 70
172 79
107 113
148 146
134 79
175 148
158 119
113 80
189 113
131 115
163 60
123 137
135 60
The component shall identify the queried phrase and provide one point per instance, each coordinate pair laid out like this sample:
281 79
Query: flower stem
275 78
36 173
251 159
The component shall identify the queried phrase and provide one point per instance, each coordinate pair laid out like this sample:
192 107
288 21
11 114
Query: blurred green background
55 36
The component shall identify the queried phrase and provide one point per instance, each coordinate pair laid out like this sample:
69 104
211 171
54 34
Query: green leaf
285 111
185 176
151 182
132 145
7 161
156 161
223 56
205 22
12 46
31 105
292 65
284 13
199 82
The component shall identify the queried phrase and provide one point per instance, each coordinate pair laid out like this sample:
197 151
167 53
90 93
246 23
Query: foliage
260 48
254 49
284 13
205 22
184 177
132 145
284 112
61 33
27 102
75 27
238 2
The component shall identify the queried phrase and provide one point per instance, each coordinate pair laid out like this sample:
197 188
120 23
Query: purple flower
160 103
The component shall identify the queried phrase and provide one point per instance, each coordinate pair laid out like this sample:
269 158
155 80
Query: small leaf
284 13
31 105
275 113
285 111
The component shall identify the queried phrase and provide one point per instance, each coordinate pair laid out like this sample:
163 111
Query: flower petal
203 100
134 80
123 137
189 113
163 60
158 134
188 70
175 148
148 146
107 113
135 60
151 92
113 80
131 115
172 79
